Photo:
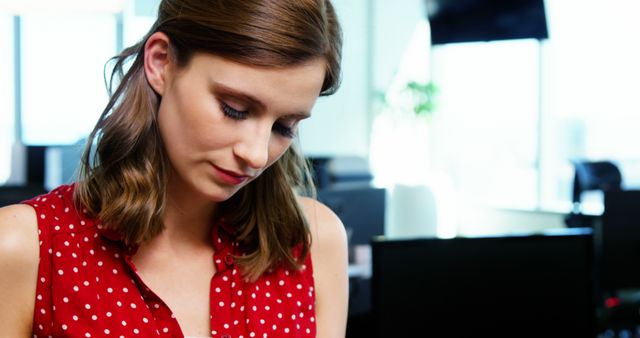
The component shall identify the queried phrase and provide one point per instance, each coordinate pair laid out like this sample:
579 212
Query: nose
253 146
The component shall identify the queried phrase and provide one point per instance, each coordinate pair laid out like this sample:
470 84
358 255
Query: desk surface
359 271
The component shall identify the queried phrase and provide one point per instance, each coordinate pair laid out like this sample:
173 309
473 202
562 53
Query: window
60 70
511 115
63 57
591 77
487 119
7 108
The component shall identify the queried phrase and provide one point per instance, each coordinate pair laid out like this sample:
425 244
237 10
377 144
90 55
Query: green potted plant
423 97
401 132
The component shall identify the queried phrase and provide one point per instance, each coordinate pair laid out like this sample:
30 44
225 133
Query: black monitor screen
620 240
518 286
485 20
361 210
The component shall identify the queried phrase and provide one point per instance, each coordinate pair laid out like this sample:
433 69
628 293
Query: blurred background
455 118
507 115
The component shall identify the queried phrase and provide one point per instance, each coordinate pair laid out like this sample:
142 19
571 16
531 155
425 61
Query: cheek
188 125
277 149
168 125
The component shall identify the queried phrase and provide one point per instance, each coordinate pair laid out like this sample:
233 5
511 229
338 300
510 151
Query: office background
509 116
493 157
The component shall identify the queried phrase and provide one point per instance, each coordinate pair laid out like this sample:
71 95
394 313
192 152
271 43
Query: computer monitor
36 169
620 241
14 194
515 286
361 210
454 21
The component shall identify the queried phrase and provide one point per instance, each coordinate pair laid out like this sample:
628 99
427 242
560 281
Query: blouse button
228 259
226 335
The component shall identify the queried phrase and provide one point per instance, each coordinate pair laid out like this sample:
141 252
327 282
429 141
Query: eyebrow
226 90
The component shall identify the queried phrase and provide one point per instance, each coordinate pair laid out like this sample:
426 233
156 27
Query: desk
359 317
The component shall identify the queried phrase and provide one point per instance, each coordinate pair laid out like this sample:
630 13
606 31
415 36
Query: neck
188 217
188 223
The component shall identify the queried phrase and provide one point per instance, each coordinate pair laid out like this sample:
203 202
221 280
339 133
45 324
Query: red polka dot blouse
88 286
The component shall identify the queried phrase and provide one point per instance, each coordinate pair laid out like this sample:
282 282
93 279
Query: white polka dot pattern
87 286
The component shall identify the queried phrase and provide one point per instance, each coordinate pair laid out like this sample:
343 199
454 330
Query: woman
186 221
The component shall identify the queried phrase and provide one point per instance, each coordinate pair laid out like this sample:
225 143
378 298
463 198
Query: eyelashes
233 113
239 115
283 130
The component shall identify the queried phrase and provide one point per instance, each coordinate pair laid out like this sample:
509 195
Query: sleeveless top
88 286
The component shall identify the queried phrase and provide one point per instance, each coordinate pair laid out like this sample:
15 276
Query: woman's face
223 123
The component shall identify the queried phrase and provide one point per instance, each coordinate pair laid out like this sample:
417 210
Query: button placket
228 259
164 319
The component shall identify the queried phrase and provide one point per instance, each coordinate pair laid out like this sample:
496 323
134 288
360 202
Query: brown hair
124 168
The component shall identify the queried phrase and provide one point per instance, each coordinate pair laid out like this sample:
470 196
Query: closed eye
278 127
283 130
233 113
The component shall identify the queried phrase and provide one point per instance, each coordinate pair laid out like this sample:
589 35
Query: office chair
589 176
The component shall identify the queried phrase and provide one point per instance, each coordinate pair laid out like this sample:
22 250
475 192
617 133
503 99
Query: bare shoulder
18 232
325 224
19 256
330 268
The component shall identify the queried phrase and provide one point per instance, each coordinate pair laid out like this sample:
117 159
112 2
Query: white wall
339 122
393 25
376 33
7 94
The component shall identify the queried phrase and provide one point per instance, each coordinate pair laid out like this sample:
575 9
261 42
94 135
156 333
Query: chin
219 194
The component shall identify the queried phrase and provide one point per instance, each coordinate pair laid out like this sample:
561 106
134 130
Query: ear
157 61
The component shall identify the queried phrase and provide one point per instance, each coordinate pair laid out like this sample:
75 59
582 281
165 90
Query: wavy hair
124 169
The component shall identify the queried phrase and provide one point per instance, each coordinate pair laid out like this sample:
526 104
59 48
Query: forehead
294 87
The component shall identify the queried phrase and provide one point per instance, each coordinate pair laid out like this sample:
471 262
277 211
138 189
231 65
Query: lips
228 176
